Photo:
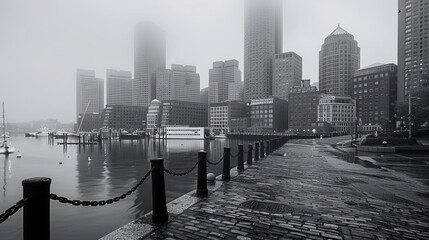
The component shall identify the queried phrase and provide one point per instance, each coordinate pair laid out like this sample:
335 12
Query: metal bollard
249 154
226 164
202 174
240 160
257 151
36 217
268 147
159 204
262 149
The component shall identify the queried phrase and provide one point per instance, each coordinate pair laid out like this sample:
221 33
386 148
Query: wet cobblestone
324 202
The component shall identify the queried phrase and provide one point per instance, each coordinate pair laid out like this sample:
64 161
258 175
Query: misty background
42 43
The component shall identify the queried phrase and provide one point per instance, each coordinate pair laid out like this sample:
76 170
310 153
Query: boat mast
81 121
4 125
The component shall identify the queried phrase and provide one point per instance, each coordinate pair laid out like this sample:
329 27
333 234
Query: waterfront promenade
302 191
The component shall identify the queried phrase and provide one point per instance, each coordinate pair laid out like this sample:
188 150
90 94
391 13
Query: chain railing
12 210
101 202
182 173
36 217
215 163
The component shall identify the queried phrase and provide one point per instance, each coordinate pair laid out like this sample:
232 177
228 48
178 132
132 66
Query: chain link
12 210
215 163
183 173
101 202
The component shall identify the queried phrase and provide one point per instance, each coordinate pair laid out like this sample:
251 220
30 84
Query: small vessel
4 147
18 155
221 135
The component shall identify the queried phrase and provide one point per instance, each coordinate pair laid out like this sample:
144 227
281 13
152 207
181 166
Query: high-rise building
149 56
180 83
375 89
89 92
263 38
204 95
339 111
220 76
119 87
315 84
302 110
413 46
338 61
235 91
287 72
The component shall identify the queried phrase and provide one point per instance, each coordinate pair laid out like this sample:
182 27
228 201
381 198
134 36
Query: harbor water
100 172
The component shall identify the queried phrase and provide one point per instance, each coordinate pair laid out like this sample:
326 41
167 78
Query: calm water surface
97 173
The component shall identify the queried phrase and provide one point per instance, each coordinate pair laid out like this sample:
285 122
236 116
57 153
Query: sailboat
4 148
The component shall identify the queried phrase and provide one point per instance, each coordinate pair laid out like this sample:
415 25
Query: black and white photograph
214 119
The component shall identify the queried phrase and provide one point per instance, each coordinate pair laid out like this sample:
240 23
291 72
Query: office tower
413 46
204 95
302 110
220 76
375 89
89 92
149 56
263 36
235 91
338 111
287 72
118 87
178 83
338 61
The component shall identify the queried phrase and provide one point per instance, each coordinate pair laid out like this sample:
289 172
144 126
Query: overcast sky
42 42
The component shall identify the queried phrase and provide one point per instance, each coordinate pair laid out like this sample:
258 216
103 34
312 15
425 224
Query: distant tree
419 108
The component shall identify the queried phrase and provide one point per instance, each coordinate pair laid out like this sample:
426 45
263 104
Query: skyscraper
413 46
338 61
89 92
220 77
118 87
178 83
149 56
263 36
287 72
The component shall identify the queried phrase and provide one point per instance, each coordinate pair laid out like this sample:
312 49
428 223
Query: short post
159 214
257 151
249 154
268 147
240 160
226 164
262 149
202 174
36 217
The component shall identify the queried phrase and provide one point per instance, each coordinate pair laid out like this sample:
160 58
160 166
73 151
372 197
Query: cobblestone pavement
307 194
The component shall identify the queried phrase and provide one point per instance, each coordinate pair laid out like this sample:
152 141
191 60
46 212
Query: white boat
220 136
4 147
184 132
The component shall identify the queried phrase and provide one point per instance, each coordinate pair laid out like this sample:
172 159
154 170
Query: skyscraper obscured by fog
339 58
263 36
89 92
287 73
413 46
220 77
118 87
178 83
149 56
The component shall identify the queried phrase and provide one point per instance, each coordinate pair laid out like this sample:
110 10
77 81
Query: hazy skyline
42 43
